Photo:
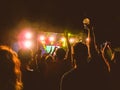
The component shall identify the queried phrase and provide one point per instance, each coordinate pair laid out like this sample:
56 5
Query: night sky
104 15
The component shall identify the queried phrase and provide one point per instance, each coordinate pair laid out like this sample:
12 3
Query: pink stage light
51 38
28 35
27 44
41 38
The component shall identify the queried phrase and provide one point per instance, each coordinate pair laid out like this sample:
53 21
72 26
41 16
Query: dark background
104 15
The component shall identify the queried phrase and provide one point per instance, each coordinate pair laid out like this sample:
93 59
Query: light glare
51 39
27 44
42 38
28 35
62 39
71 40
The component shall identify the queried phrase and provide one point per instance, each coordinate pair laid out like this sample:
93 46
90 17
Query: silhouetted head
60 53
80 53
10 74
25 56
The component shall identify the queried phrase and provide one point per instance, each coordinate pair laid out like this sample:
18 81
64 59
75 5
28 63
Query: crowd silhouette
82 66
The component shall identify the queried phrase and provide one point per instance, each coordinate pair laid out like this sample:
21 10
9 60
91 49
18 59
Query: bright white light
51 38
62 39
27 44
28 35
71 40
41 38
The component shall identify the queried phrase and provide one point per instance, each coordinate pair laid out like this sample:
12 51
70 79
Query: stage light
28 35
63 39
69 34
49 47
72 40
27 44
41 38
51 38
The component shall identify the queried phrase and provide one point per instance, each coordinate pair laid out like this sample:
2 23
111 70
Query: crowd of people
82 66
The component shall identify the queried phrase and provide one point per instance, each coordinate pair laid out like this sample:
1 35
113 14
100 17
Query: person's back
57 69
78 78
29 76
10 76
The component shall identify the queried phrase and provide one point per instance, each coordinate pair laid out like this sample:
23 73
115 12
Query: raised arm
69 56
103 55
91 42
